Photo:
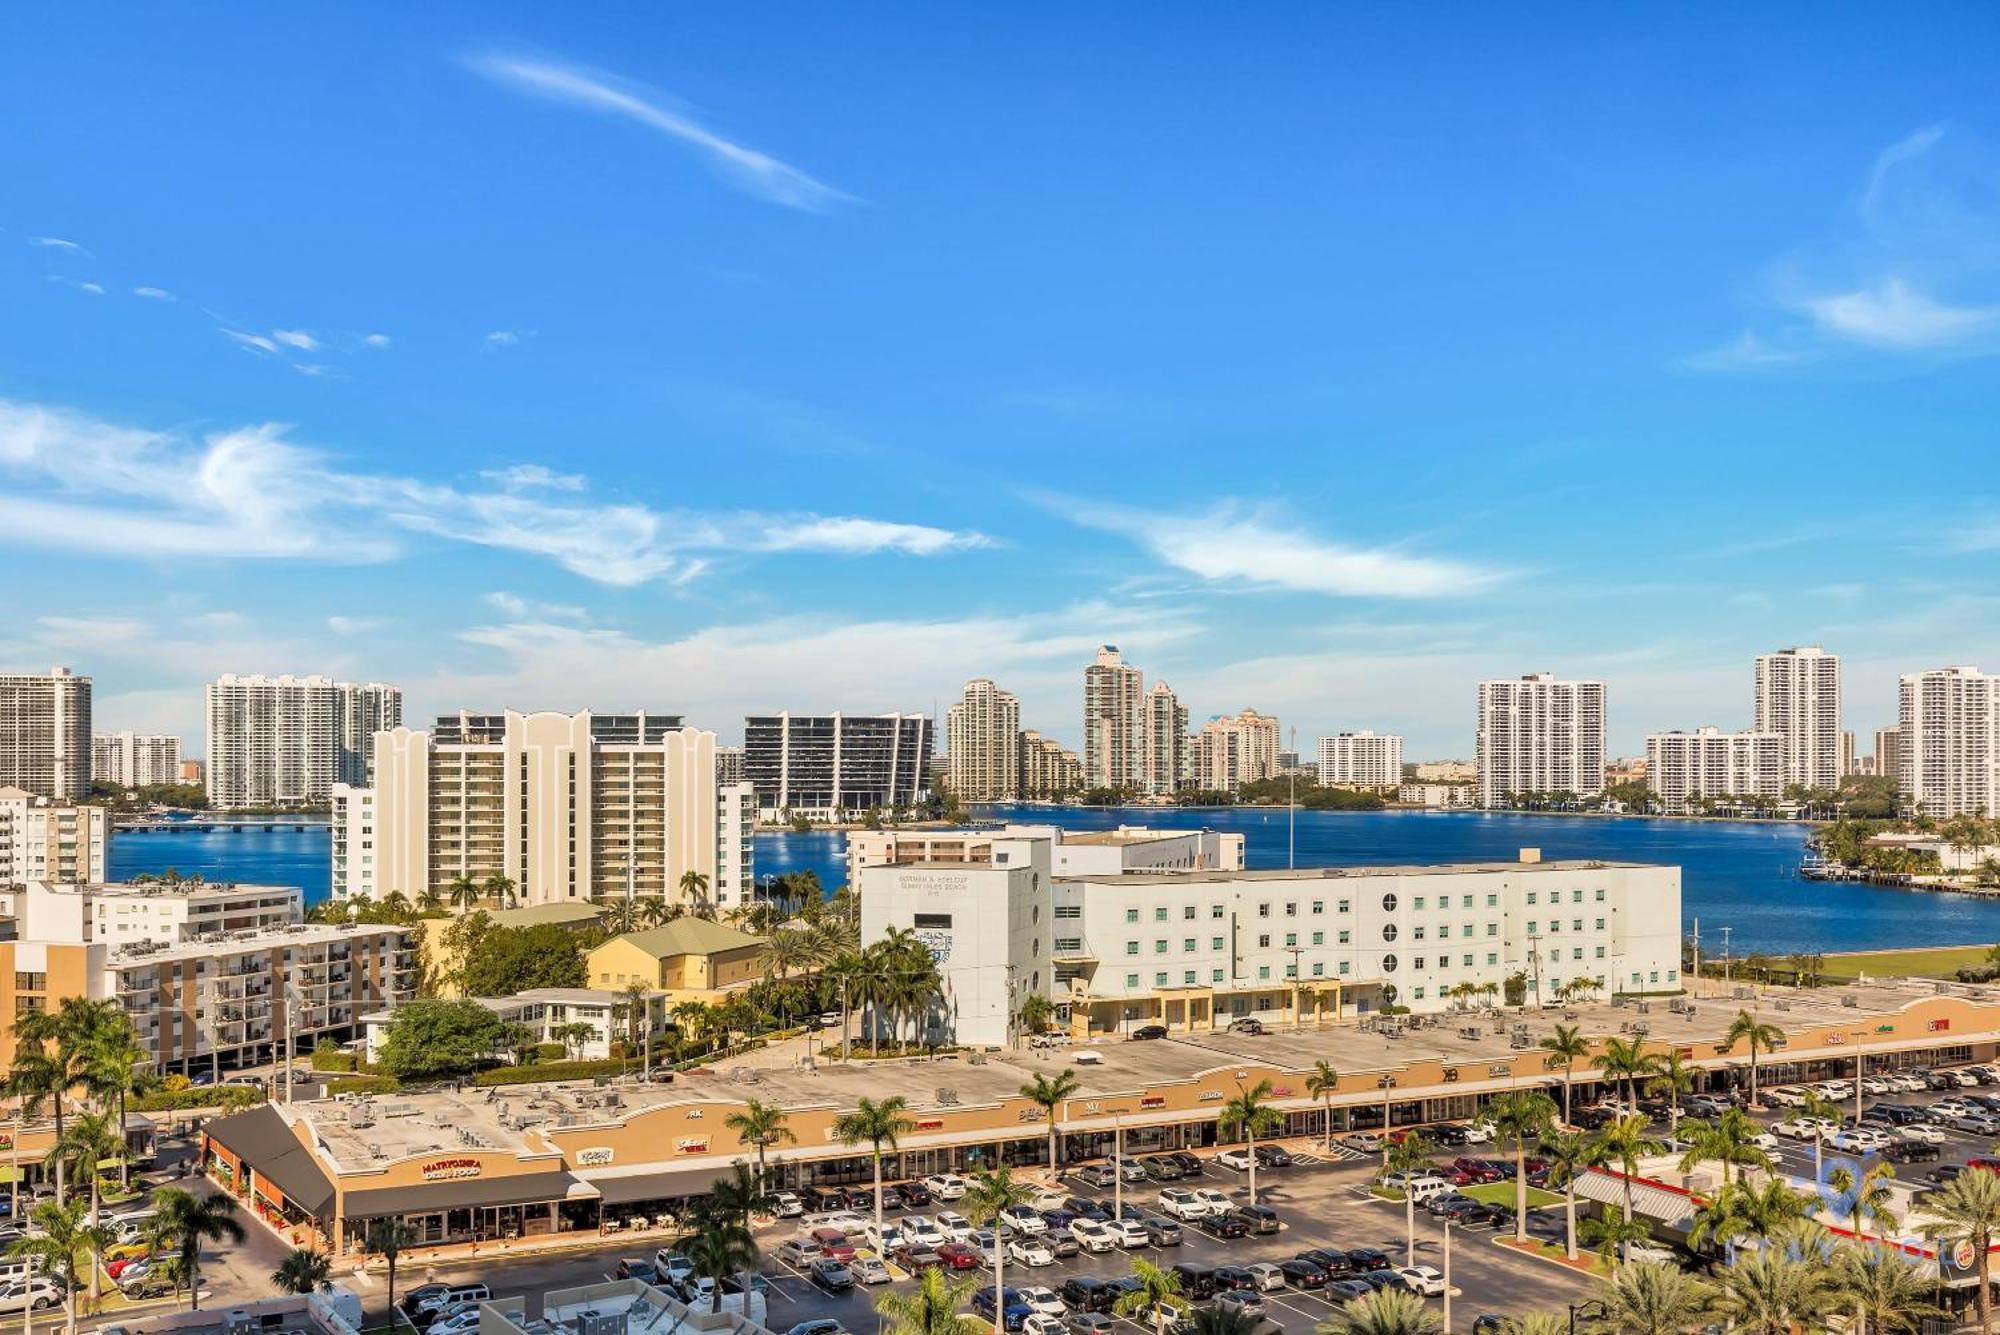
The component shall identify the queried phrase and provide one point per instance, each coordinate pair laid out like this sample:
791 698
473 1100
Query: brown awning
267 1148
513 1189
662 1186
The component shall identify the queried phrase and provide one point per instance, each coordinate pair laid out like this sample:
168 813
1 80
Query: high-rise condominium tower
836 766
1538 734
45 733
1949 748
1798 697
1166 725
133 760
1361 759
1889 753
1711 763
1114 734
985 727
1048 768
288 740
1234 749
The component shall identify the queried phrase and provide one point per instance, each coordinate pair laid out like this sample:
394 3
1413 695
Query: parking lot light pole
1386 1084
1447 1275
1591 1310
1118 1164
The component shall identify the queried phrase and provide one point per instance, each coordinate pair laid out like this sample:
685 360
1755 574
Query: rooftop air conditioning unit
1849 999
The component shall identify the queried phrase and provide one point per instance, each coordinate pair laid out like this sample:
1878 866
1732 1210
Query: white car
1784 1098
1182 1204
1240 1160
1025 1219
869 1270
1367 1142
1834 1089
1907 1083
1130 1233
787 1205
1422 1279
458 1323
1028 1252
1093 1236
1805 1128
955 1226
1218 1202
946 1186
924 1233
1857 1140
1037 1323
1765 1141
1042 1300
1268 1277
1651 1254
1048 1198
1479 1133
1875 1084
1929 1135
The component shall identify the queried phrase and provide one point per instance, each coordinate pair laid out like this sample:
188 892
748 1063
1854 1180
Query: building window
1344 906
1160 946
1319 907
1187 912
1319 970
1291 939
1215 975
1215 910
1344 967
1468 902
1418 993
1417 903
1388 931
1598 896
1491 959
1069 910
1388 964
1417 963
1187 943
1263 971
1264 941
1444 931
1600 924
934 921
1159 915
1576 952
1131 915
1417 932
1531 896
1187 976
1531 929
1131 947
1492 901
1264 910
1346 937
1468 961
1600 952
1576 896
1319 938
1215 943
1291 971
1388 903
1132 981
1159 980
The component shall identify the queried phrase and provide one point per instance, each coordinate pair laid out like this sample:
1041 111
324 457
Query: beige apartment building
1166 725
1234 749
41 840
1048 768
1114 734
565 806
985 738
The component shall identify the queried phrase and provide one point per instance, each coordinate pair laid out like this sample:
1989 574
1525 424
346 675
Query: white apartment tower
45 733
281 741
985 727
1114 741
1798 697
134 760
1166 724
1949 748
1361 759
42 840
1540 734
1710 763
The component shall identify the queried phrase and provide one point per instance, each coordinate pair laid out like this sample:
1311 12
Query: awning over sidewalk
513 1189
265 1145
1671 1208
659 1186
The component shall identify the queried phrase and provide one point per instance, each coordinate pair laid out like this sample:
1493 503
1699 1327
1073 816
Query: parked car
1468 1172
1421 1279
1302 1274
830 1275
915 1195
1258 1218
1238 1159
1190 1163
1448 1135
1093 1235
824 1325
1197 1280
1040 1324
1222 1225
629 1267
1368 1258
960 1256
1180 1203
1096 1175
1031 1252
1162 1168
1014 1312
946 1186
1364 1142
1149 1031
870 1270
1130 1233
1267 1275
1273 1156
1161 1232
1333 1264
1091 1323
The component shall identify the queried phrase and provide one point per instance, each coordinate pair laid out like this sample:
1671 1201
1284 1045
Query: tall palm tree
879 1122
1820 1108
1777 1291
90 1142
1625 1143
1158 1292
1613 1232
184 1223
120 1070
1049 1094
498 887
1249 1113
989 1197
304 1271
1969 1210
1671 1078
1569 1155
1385 1312
721 1245
1865 1195
1655 1300
694 887
1741 1210
1523 1115
1730 1141
390 1238
763 1125
1568 1046
1760 1035
429 901
1885 1290
931 1308
51 1057
463 892
65 1244
1321 1084
1624 1062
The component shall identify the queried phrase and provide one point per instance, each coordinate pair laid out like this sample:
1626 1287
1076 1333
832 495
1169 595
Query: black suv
1197 1281
1273 1156
1228 1225
1087 1293
1190 1164
1258 1218
1910 1151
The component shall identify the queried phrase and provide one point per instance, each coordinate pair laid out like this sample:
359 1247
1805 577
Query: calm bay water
1739 875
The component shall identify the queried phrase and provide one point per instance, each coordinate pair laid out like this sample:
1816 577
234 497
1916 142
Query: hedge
363 1084
330 1058
548 1072
199 1096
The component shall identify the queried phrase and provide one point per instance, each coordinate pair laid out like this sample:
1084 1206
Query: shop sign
6 1140
692 1145
595 1157
931 1124
1885 1028
1939 1026
1032 1115
1499 1070
1835 1040
1283 1092
1450 1074
1093 1106
694 1114
1552 1063
1153 1101
443 1170
1211 1096
1963 1254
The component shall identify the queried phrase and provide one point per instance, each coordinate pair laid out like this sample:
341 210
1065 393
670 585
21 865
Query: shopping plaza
527 1160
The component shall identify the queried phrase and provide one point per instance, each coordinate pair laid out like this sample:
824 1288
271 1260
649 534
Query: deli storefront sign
446 1170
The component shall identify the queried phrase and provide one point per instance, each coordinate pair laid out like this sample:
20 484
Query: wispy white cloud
1907 149
342 625
502 338
516 608
154 294
254 342
1892 314
58 243
1747 351
751 171
1241 546
94 289
295 338
376 340
314 369
252 493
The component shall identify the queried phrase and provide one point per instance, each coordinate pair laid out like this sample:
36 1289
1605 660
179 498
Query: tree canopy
429 1039
497 961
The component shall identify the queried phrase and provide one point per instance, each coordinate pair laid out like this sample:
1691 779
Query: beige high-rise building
565 806
134 760
1949 755
985 727
1798 697
41 840
1235 749
1048 769
1848 761
1166 725
1889 753
1114 733
45 733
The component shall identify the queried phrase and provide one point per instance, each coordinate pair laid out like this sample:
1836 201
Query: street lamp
1385 1084
1117 1165
1590 1310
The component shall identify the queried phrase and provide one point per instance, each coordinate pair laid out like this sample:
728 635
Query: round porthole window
1388 931
1388 903
1389 994
1388 964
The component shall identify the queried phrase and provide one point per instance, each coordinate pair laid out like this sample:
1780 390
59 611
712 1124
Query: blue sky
733 358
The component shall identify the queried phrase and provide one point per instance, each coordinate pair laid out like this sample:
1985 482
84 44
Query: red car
1988 1165
121 1265
832 1242
1468 1172
960 1256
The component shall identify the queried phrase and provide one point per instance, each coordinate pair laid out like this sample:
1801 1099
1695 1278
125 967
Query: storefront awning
513 1189
1671 1208
265 1145
659 1186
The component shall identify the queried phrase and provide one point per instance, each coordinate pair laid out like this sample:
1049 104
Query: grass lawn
1555 1251
1938 962
1502 1193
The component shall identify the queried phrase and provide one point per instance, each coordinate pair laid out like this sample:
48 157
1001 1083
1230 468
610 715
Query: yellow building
694 956
440 962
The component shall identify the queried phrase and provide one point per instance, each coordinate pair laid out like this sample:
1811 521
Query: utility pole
1725 955
1117 1166
1292 806
1447 1273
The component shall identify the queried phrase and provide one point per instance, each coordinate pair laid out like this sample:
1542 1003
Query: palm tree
1777 1291
91 1141
304 1271
930 1309
1624 1143
50 1059
1535 1323
1568 1046
1671 1077
1569 1154
1969 1210
390 1237
990 1196
1248 1113
185 1222
1037 1013
1213 1319
499 888
763 1125
879 1123
694 887
1865 1194
1741 1210
65 1244
1818 1106
1886 1291
1321 1084
1612 1233
1384 1312
1524 1115
119 1068
1049 1094
1655 1300
1159 1292
1729 1141
429 901
1624 1062
1761 1037
720 1245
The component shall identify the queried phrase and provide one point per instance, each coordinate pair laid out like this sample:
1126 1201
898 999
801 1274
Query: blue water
1741 875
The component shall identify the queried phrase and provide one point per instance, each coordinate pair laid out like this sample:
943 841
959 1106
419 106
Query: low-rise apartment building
688 959
1360 760
44 840
1070 853
1442 796
1681 766
134 760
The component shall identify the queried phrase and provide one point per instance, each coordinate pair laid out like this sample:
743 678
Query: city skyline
497 410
